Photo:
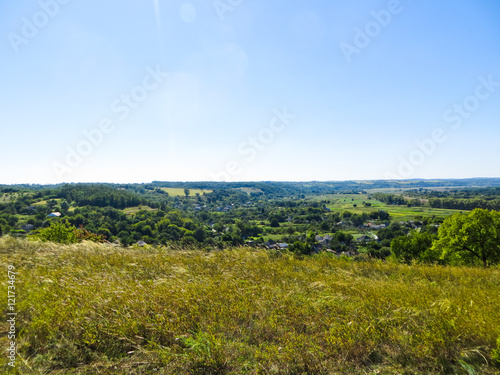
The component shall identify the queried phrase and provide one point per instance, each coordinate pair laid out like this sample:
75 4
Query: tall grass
92 308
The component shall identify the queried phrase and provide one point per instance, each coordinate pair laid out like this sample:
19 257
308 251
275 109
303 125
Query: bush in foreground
92 308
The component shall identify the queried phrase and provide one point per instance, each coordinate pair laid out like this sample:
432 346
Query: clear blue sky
364 81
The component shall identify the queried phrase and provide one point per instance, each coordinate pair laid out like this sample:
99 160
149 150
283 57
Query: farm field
342 202
134 210
179 192
400 189
93 308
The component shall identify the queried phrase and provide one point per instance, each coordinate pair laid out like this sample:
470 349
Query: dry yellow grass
91 308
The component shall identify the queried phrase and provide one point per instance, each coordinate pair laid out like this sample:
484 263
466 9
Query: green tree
472 238
301 248
356 220
392 231
60 232
415 246
383 215
52 203
104 232
343 238
186 192
311 238
274 223
218 227
199 234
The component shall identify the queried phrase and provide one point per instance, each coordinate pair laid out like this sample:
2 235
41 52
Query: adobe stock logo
223 6
255 144
454 117
122 107
462 111
363 37
31 26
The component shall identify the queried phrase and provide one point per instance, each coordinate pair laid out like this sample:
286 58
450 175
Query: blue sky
248 90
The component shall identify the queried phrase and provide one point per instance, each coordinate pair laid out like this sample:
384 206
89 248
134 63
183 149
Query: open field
45 202
90 308
400 189
8 197
178 192
136 209
346 202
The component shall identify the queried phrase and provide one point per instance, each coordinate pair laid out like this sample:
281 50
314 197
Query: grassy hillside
96 309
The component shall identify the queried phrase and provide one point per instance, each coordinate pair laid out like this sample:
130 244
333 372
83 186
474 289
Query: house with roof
376 226
324 240
269 244
54 214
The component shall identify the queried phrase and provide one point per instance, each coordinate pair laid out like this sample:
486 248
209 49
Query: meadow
97 309
179 192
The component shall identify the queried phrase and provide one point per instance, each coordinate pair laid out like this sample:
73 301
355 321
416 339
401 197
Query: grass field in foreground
96 309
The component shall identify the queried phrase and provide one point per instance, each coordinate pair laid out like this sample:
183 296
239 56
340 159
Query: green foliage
58 232
392 231
274 223
200 234
383 215
495 353
473 238
344 238
415 246
390 198
105 232
300 248
99 195
465 204
377 251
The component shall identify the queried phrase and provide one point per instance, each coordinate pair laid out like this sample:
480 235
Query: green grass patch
45 202
6 198
274 237
136 209
178 192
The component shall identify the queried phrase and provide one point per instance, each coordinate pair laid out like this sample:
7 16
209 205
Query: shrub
58 232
